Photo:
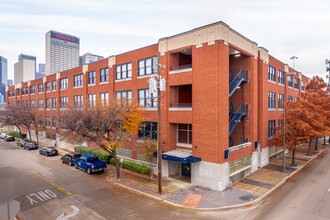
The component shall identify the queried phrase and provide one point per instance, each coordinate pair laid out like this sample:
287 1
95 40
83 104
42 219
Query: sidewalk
247 192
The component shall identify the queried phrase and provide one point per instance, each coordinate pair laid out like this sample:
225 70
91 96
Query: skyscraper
3 76
24 69
89 58
62 52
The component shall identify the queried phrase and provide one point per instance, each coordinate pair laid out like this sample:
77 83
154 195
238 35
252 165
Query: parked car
3 135
69 158
30 146
21 143
9 138
48 151
90 163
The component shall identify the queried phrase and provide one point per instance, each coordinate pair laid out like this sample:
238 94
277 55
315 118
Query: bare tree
107 125
11 115
28 118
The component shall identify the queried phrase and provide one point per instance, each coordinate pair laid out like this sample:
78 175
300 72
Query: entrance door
186 169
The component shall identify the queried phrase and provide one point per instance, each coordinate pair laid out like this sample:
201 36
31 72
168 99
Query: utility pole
293 58
156 85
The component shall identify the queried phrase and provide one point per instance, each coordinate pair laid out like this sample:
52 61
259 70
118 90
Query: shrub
133 166
16 134
101 154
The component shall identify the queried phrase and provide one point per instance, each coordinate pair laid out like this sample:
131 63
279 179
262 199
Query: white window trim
101 83
274 82
272 109
77 87
184 145
121 80
180 109
146 76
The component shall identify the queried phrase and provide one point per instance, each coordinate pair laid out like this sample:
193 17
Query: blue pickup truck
90 163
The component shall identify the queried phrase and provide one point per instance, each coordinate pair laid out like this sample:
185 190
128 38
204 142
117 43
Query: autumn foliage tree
107 125
148 149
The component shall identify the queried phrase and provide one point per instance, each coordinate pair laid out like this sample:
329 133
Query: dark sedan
48 151
9 138
21 143
30 146
69 158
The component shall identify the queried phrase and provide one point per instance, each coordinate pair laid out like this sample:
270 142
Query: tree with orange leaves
107 125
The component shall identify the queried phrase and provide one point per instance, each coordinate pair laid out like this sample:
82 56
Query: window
147 66
148 130
296 83
302 86
104 98
78 101
33 103
47 121
63 124
271 100
26 90
271 128
280 122
124 95
78 80
32 90
281 75
92 100
41 121
290 81
295 98
17 92
290 98
54 122
53 103
40 88
280 101
13 93
64 102
104 75
54 84
91 77
47 86
47 103
64 83
124 71
27 103
40 104
184 134
9 93
145 100
23 91
271 74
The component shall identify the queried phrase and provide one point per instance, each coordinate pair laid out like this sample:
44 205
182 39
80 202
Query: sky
106 27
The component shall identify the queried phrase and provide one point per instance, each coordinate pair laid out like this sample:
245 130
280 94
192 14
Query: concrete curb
226 208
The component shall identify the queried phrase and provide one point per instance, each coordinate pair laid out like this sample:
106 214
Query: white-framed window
271 74
48 121
271 100
54 85
296 83
91 78
104 98
64 83
280 101
147 66
40 88
47 86
124 95
40 104
271 128
47 103
104 75
64 102
302 86
281 76
145 99
290 79
92 100
124 71
53 103
148 131
33 103
78 101
78 80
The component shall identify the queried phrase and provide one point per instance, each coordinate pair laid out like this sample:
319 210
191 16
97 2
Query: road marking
329 190
63 217
48 181
47 195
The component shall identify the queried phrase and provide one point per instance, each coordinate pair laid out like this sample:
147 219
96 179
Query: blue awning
179 156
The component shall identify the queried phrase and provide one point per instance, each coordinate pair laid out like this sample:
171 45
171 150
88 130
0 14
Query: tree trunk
316 140
310 147
37 133
117 165
324 141
293 157
20 132
30 134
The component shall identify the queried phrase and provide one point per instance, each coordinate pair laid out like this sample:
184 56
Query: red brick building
222 101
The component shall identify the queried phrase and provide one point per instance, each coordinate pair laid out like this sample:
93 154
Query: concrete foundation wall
210 175
254 161
264 156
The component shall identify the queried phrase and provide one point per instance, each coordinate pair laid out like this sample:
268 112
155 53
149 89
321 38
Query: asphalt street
48 189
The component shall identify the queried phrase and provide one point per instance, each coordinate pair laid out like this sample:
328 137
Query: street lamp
293 58
286 74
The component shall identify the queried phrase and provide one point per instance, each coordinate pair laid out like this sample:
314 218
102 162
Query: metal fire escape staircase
235 117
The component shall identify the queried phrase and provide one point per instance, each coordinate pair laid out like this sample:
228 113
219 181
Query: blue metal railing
231 110
187 66
241 112
245 140
242 76
181 105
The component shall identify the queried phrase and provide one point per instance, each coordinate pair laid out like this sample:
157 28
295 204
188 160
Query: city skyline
285 28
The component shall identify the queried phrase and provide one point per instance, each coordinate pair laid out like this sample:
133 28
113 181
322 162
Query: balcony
181 61
181 98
